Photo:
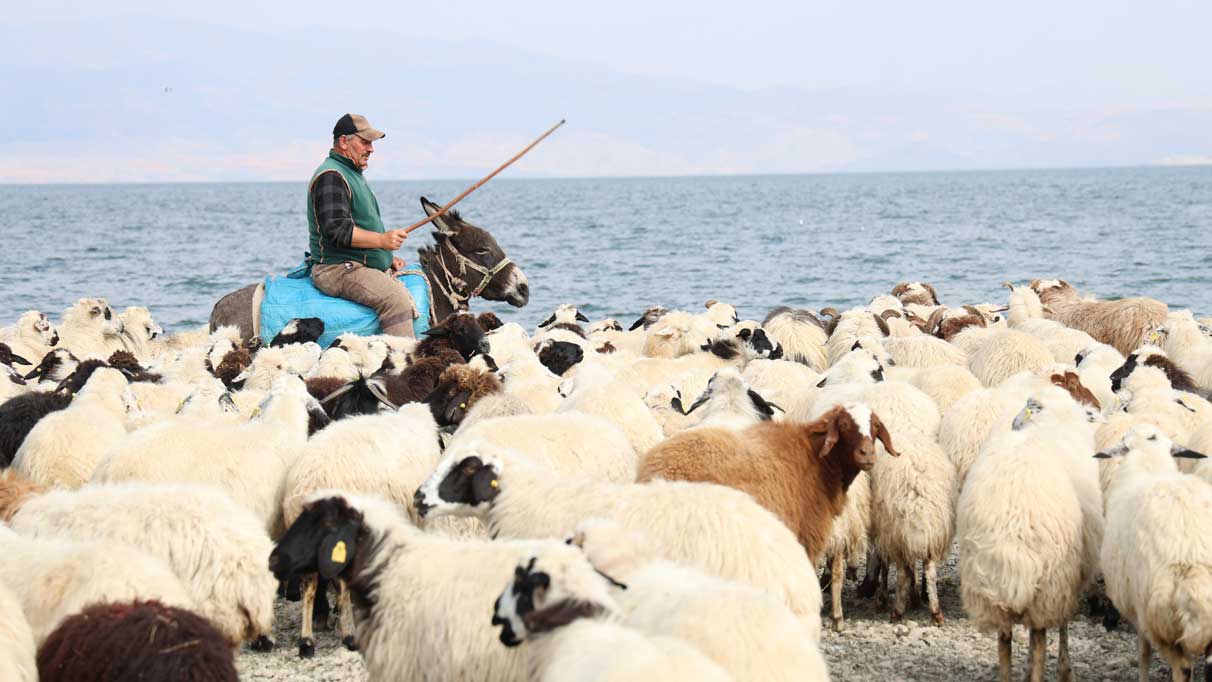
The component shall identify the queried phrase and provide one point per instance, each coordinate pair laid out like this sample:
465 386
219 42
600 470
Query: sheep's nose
418 501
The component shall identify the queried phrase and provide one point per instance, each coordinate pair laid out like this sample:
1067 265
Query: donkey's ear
440 223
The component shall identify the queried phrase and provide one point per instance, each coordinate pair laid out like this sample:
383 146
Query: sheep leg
1064 668
321 609
307 642
930 578
1144 657
345 616
1038 650
835 590
904 586
1003 655
868 587
915 600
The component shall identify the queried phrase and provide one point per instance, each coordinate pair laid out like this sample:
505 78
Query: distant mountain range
166 100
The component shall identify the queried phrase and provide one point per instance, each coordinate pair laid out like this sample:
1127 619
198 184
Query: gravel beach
870 648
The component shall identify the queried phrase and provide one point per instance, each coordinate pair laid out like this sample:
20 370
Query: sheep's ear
933 293
881 433
745 333
435 332
1184 404
254 344
832 434
484 485
337 550
1180 451
18 360
766 408
95 310
581 317
456 409
558 615
821 383
548 321
676 404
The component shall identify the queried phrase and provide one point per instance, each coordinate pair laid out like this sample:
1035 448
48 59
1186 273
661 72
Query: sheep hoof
866 589
307 647
839 624
263 644
896 616
1110 616
937 617
349 642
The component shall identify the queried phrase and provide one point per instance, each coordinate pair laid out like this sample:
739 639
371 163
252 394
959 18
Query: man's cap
355 124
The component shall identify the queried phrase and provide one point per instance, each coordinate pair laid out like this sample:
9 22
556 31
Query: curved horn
936 319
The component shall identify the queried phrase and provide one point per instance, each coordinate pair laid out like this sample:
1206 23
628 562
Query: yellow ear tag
494 483
338 552
462 406
180 405
256 411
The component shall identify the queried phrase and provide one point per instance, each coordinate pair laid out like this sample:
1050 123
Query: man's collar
333 154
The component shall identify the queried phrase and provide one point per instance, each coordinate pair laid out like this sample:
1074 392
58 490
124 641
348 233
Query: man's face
357 150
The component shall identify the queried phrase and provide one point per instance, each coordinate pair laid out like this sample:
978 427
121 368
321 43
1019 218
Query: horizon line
1007 169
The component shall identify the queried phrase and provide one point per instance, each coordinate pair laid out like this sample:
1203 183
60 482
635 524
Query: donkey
465 262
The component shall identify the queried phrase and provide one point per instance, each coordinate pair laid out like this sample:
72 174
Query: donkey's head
486 270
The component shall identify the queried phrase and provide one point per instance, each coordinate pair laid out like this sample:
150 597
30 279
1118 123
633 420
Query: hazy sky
688 87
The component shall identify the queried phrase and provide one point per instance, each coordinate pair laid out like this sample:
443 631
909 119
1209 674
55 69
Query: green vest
365 210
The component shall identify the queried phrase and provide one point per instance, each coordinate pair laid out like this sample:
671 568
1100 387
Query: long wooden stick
442 211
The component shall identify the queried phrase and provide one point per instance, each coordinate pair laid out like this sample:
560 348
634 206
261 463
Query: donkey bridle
458 300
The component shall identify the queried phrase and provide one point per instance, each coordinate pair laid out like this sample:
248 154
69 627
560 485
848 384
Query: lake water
616 246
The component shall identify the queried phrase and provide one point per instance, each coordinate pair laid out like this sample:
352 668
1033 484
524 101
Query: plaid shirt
331 198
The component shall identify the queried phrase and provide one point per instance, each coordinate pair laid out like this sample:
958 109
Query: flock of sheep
588 502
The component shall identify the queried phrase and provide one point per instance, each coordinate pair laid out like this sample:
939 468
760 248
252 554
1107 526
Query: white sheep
687 522
789 384
31 337
216 547
1027 314
728 402
335 362
1094 367
66 577
65 447
595 391
677 333
945 384
722 314
249 460
1157 554
561 610
913 513
90 329
569 443
1028 537
748 632
1006 353
1186 342
387 454
421 601
853 324
923 351
140 333
17 651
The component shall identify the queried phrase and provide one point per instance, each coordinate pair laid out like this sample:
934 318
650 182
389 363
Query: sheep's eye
1153 437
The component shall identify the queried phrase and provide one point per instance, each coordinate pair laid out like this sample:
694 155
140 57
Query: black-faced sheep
19 414
136 641
54 367
299 330
489 321
459 332
560 356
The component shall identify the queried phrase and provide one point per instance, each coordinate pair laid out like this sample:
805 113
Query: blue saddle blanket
294 296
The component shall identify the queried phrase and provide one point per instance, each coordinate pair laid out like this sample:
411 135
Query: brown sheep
458 389
1073 384
420 377
489 321
948 327
233 363
136 641
798 471
1124 324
